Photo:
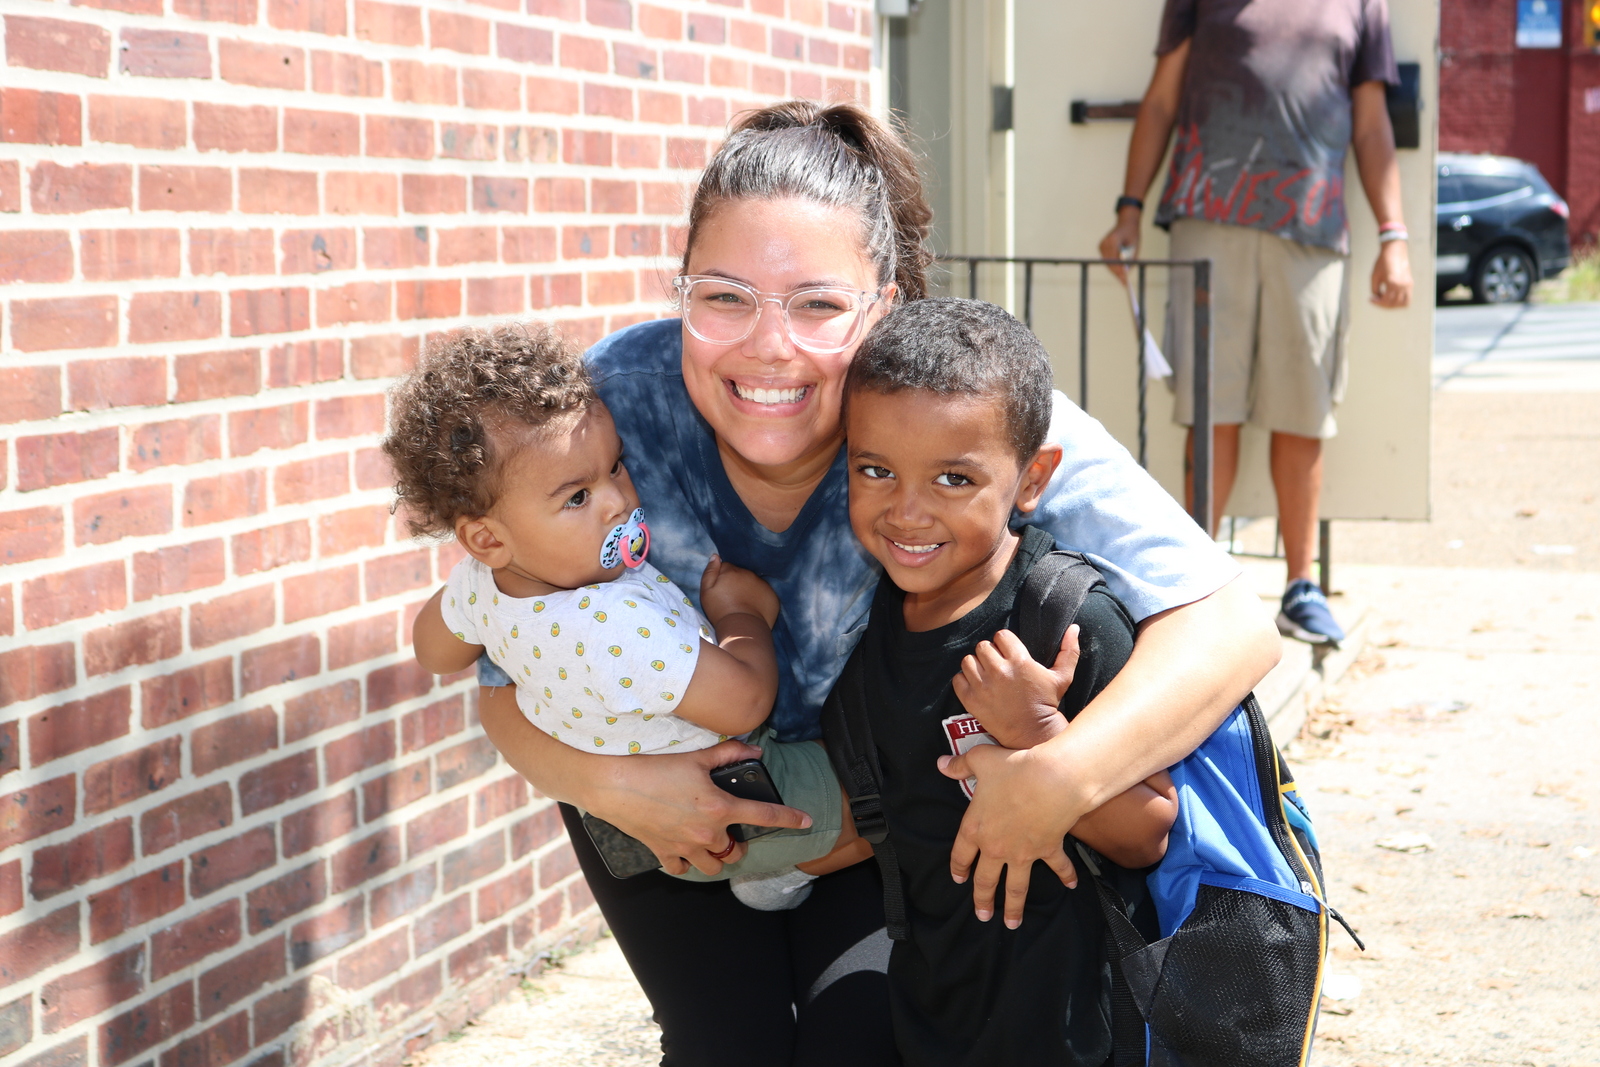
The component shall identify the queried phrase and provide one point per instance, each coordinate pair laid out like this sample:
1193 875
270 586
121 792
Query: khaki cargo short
1279 316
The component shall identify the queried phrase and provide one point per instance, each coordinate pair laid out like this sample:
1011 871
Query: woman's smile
778 398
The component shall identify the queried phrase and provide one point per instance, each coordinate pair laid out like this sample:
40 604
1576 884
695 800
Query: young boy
947 405
500 439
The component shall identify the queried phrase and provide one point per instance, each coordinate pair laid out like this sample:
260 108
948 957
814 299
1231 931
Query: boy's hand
1015 697
726 589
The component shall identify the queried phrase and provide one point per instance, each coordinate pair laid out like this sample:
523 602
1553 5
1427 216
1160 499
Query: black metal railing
1200 491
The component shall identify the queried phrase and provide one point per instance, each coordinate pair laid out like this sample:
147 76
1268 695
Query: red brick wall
1490 96
238 824
1476 84
1583 149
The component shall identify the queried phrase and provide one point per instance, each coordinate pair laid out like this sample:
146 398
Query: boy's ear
1036 476
481 537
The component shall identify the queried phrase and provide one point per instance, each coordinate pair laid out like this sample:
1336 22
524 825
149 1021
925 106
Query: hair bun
836 154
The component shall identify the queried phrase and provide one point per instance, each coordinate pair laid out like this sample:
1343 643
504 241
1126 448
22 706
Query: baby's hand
726 589
1016 698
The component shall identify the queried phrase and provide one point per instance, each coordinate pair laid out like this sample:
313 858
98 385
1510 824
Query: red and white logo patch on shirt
965 733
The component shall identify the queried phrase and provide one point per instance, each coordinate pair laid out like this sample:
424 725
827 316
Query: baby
500 439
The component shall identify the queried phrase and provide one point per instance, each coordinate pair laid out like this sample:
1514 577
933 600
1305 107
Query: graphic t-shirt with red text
1265 114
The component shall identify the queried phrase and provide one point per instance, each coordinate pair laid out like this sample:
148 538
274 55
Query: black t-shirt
964 992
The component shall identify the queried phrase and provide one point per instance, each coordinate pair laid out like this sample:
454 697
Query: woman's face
770 401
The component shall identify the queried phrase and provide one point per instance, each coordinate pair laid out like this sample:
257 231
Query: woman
732 421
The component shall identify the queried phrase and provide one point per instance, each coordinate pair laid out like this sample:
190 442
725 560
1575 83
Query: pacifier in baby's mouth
628 542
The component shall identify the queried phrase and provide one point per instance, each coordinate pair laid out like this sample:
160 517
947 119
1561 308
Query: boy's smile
933 482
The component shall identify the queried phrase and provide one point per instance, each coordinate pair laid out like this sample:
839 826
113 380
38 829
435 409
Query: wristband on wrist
1392 233
1129 201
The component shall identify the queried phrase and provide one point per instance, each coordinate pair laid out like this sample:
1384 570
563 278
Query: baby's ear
1036 476
481 538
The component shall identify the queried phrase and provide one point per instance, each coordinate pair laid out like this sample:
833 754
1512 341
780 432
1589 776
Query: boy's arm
1131 829
438 650
736 679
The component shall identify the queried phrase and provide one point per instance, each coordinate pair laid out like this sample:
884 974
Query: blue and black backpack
1235 977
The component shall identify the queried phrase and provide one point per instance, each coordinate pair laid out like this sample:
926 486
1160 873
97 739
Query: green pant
806 781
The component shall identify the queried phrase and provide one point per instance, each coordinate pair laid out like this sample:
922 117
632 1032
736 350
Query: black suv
1501 228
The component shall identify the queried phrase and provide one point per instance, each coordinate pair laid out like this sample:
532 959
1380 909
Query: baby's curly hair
454 418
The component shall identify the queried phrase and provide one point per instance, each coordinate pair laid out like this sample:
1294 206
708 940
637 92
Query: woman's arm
668 802
1190 667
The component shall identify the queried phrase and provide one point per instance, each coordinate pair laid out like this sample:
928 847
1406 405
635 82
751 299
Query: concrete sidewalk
1450 774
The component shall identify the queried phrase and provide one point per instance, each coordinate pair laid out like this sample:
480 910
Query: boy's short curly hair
455 419
957 347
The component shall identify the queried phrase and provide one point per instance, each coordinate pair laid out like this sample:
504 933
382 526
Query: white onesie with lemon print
601 668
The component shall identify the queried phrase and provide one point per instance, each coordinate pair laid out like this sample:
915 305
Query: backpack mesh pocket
1233 986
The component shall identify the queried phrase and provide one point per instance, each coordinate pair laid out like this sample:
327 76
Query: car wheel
1504 276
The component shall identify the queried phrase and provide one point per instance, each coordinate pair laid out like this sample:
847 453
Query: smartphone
623 855
748 779
626 856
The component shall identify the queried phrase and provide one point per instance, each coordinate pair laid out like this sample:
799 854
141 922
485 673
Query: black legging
730 984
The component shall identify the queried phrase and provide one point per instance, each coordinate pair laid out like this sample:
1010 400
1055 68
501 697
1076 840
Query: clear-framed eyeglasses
821 319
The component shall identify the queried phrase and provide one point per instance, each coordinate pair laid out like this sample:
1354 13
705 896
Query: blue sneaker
1305 615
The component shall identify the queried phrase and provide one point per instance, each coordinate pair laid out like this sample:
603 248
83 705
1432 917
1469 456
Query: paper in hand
1155 364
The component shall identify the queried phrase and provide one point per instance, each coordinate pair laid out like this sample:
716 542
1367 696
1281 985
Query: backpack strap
1123 942
854 755
1051 596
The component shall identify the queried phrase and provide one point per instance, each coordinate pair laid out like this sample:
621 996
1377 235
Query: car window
1450 190
1484 186
1536 180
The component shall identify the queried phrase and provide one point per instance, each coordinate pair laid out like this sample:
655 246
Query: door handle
1461 222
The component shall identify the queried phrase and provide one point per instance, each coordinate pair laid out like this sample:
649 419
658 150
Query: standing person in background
1265 96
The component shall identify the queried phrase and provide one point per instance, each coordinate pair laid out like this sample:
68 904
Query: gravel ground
1451 772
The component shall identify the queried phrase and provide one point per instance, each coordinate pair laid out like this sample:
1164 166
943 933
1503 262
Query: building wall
1583 147
1529 103
239 825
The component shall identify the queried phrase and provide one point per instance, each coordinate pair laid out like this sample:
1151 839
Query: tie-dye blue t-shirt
1100 503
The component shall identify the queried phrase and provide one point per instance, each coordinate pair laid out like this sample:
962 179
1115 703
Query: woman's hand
1014 818
1190 667
668 802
